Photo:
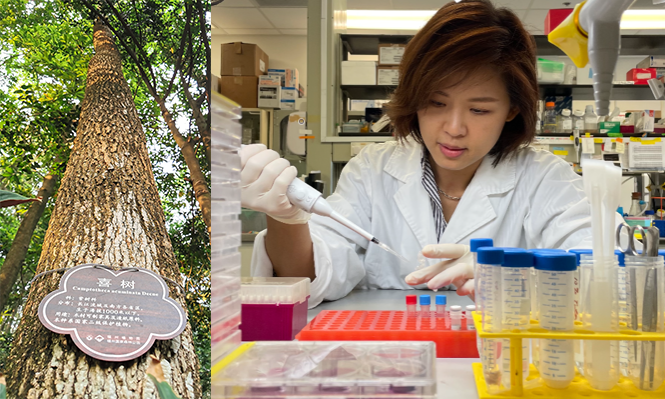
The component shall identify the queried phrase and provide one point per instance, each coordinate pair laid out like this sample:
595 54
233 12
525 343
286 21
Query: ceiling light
416 19
643 19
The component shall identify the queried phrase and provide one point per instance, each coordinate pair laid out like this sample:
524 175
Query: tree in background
44 50
108 211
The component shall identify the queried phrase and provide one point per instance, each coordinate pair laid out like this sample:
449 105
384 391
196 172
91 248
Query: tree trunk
108 211
13 264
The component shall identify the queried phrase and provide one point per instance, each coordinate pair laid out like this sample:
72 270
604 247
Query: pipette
310 200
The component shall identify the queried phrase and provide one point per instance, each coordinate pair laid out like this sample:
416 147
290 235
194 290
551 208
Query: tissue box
641 75
289 77
289 93
387 76
269 80
270 96
610 127
391 54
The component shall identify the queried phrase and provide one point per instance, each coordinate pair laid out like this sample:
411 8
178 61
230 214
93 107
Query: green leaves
11 199
3 388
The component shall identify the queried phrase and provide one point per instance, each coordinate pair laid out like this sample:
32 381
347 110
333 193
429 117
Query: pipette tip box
347 325
327 369
273 308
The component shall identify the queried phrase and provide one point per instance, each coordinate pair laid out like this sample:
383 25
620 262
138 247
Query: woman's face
461 124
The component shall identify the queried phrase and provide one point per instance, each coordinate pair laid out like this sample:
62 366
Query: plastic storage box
273 308
327 369
550 71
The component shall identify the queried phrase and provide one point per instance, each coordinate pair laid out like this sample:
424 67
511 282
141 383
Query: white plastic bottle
566 122
590 120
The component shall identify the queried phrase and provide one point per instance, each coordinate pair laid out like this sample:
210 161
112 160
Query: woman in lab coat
464 112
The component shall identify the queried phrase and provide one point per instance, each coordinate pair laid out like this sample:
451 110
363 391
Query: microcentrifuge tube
469 317
424 305
456 317
411 304
441 305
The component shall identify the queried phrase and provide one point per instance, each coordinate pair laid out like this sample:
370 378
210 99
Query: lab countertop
454 376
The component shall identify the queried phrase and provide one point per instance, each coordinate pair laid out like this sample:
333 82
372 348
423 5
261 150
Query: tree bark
11 268
108 211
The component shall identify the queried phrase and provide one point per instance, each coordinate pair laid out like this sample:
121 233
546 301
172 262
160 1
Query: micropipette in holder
310 200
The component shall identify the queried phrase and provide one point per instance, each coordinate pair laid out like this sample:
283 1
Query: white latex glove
264 179
457 270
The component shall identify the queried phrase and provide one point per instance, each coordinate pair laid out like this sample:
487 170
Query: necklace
450 197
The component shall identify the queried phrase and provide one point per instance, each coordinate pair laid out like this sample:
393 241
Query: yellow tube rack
579 388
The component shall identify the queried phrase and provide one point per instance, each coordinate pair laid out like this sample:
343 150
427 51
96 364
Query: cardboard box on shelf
269 96
652 61
289 77
641 75
269 80
289 93
241 89
287 104
387 76
358 72
391 54
243 59
609 127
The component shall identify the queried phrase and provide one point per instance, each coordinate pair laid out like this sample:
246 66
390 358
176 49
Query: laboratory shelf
630 44
579 92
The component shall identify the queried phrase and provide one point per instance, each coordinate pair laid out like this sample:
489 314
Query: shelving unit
368 45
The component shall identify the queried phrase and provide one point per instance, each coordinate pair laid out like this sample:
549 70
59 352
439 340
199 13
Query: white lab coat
532 200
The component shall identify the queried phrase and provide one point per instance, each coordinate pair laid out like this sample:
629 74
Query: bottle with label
590 120
578 120
539 124
565 122
635 207
549 118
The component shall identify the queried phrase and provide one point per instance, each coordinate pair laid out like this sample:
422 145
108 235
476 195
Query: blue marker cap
441 300
579 252
556 262
476 243
424 300
517 257
490 256
622 257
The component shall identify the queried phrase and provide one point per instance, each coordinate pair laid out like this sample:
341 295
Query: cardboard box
269 80
641 75
609 127
287 104
387 76
243 59
391 54
289 93
652 61
358 72
289 77
241 89
555 17
269 96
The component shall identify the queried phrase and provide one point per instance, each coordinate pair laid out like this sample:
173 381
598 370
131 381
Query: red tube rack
357 325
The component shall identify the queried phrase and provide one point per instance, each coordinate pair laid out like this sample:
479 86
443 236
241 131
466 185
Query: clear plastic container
566 122
489 262
590 120
579 353
476 243
645 292
578 120
556 274
550 71
330 369
600 297
549 118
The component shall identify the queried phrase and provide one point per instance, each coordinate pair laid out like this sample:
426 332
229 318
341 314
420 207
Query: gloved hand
264 179
457 270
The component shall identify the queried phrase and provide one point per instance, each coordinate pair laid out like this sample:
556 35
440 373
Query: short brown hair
458 40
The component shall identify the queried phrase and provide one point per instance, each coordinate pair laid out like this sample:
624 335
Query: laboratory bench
454 376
